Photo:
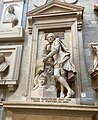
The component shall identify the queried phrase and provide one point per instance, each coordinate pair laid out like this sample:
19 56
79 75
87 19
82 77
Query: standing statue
56 50
95 50
3 65
11 17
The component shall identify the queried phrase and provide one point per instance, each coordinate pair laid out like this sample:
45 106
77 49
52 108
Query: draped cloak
63 56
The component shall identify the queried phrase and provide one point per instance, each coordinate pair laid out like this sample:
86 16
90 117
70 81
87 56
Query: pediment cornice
54 8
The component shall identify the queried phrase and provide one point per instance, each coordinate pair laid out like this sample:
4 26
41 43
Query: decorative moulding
11 34
8 1
13 58
56 9
56 107
50 8
39 3
50 111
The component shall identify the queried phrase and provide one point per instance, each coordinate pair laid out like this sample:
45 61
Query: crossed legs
63 83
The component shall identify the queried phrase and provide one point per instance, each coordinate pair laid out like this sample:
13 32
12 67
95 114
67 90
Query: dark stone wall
90 33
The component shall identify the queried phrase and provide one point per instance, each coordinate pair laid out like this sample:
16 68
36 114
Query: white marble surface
70 1
39 2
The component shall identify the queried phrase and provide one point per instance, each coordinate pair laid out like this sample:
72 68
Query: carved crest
39 2
71 1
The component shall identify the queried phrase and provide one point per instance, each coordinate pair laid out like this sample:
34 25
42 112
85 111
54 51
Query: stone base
44 92
35 111
54 100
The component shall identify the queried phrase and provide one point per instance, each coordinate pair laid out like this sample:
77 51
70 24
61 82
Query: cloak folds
64 57
3 67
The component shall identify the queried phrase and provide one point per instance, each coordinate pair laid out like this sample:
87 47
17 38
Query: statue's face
42 80
50 38
11 9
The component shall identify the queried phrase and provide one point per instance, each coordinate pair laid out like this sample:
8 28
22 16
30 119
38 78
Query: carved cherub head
2 58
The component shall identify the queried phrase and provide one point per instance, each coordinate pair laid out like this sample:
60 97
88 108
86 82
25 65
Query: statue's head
11 9
2 58
42 79
50 37
95 49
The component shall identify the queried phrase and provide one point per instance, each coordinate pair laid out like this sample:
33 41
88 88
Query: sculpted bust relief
3 65
11 17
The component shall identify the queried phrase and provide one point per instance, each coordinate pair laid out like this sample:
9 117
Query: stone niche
9 69
10 23
64 20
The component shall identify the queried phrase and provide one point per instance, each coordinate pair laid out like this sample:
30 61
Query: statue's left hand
45 59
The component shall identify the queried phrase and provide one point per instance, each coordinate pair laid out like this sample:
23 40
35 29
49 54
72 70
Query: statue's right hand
45 59
44 55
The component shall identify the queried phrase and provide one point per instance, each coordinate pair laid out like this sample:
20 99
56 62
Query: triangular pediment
55 7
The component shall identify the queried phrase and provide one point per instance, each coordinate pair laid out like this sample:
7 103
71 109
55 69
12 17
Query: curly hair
52 35
12 8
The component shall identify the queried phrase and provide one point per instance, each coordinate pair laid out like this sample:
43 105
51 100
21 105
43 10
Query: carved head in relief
42 79
11 9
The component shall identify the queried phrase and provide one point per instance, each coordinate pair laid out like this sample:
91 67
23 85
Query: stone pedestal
49 111
44 92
